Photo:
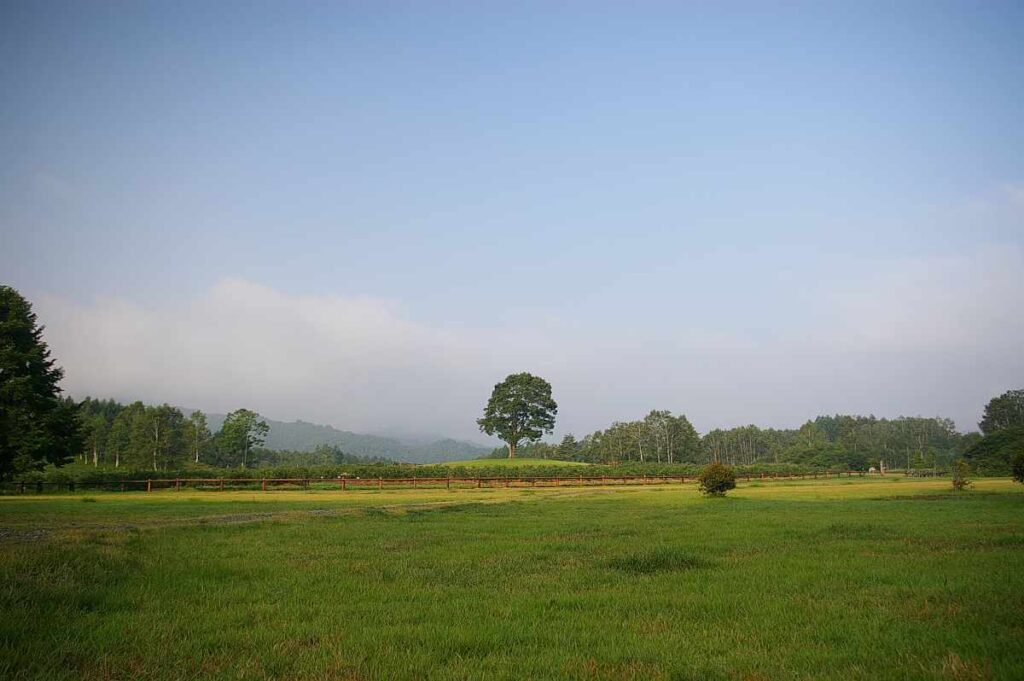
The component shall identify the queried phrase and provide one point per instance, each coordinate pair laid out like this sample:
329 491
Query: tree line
162 437
844 441
521 410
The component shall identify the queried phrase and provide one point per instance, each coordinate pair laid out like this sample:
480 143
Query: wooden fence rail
347 483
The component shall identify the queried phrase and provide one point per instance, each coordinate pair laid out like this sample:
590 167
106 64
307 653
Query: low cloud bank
910 336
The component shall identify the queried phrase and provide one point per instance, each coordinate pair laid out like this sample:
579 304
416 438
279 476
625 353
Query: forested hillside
162 437
302 436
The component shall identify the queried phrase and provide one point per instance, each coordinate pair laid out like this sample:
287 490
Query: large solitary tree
37 427
520 409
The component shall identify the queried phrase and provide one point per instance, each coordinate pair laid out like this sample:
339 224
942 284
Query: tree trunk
511 450
95 458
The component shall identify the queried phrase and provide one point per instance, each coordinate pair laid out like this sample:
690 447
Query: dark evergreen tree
37 427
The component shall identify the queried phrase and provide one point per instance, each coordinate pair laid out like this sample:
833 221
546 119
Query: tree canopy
243 429
37 426
520 408
1005 411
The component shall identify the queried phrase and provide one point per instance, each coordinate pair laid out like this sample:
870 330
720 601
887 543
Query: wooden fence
353 483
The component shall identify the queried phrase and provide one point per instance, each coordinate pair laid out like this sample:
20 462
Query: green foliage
1003 412
37 427
197 434
659 437
1018 466
568 448
274 464
994 453
325 457
961 475
243 429
716 479
842 442
520 408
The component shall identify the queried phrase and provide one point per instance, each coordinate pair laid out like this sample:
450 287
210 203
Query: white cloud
928 335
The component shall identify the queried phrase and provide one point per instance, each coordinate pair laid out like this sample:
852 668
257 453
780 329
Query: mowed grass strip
860 579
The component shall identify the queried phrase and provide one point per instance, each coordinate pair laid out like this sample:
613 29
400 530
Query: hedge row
87 474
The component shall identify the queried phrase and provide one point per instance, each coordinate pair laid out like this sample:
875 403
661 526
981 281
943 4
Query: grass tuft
867 531
657 560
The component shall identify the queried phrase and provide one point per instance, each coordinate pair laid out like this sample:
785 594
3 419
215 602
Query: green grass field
852 579
512 463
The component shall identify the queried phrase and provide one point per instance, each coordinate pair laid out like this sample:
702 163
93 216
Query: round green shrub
716 479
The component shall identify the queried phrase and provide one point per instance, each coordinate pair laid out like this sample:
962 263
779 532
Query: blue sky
746 212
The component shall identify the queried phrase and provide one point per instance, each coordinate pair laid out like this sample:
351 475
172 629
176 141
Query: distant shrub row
90 475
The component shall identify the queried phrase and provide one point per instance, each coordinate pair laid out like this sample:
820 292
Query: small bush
1018 467
716 479
961 475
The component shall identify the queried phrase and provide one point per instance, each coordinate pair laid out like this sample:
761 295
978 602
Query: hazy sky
366 214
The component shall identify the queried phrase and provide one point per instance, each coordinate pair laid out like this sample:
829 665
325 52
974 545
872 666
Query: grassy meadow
851 579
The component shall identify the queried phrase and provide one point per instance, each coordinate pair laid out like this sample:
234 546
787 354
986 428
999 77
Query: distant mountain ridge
304 436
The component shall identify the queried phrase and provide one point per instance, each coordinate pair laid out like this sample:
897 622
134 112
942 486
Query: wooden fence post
380 483
149 485
263 484
448 482
344 483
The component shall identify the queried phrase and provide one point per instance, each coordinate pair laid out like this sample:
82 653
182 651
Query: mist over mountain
304 436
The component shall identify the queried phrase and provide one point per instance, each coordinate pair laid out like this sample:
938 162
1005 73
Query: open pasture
858 578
